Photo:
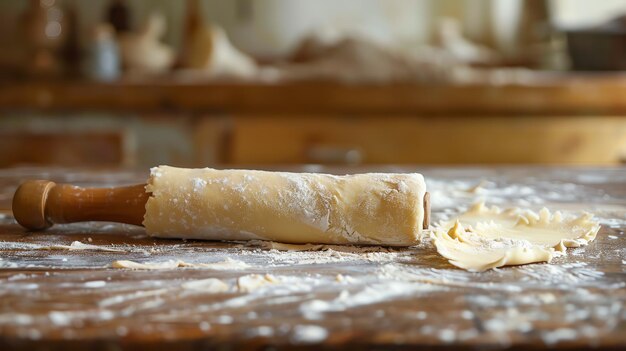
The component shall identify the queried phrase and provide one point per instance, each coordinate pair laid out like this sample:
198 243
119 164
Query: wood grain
39 204
544 94
56 298
258 139
92 148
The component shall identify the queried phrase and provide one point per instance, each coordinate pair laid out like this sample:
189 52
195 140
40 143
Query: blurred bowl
598 49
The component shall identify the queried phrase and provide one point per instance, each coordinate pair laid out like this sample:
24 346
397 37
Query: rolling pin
373 208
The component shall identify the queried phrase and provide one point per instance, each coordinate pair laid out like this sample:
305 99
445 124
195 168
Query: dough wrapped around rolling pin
374 208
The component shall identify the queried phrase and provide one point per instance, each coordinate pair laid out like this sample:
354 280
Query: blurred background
137 83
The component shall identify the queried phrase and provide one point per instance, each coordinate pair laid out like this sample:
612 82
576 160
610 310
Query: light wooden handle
38 204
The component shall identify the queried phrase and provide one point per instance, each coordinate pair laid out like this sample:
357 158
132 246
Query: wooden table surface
55 295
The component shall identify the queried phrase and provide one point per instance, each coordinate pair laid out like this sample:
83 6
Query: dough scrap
295 208
485 238
251 282
210 285
227 264
77 245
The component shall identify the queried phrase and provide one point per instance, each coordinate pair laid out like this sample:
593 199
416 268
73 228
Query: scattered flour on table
372 294
308 334
227 264
96 284
373 275
210 285
74 246
558 335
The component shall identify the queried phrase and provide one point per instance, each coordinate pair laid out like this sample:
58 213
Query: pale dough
210 285
251 282
374 208
484 238
227 264
272 245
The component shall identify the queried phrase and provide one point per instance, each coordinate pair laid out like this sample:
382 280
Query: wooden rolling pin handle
39 204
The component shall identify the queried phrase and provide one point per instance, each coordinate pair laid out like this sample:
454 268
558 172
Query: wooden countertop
544 94
59 295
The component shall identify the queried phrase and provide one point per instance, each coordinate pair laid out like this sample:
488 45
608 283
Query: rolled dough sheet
484 238
374 208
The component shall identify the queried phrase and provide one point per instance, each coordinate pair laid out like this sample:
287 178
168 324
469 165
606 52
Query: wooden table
52 297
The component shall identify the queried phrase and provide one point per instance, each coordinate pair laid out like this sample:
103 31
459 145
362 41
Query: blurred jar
43 27
519 30
119 16
103 62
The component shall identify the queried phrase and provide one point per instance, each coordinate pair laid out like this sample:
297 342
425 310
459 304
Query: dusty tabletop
60 287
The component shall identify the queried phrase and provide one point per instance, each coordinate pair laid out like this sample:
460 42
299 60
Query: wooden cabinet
553 119
253 139
96 139
101 148
332 139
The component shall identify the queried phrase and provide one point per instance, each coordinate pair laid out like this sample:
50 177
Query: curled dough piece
485 238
